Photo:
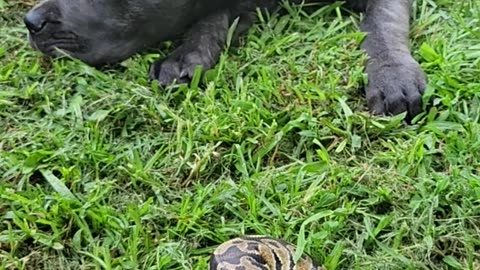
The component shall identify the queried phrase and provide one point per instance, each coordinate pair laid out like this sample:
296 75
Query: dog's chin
54 51
76 49
58 44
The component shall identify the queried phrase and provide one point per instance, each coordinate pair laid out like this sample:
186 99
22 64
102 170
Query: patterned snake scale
259 253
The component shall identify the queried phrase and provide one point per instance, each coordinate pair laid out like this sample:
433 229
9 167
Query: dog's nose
35 21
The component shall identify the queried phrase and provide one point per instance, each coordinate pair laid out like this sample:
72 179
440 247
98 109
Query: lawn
105 170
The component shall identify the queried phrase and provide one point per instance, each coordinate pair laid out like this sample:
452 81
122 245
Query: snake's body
259 253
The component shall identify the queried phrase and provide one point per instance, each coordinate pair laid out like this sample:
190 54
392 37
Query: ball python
259 253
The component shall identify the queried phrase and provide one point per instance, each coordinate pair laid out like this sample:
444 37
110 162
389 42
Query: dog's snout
35 21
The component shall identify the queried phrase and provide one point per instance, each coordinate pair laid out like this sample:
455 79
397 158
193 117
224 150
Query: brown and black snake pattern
259 253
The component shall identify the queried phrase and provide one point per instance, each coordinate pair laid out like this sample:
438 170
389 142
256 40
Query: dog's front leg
202 46
396 80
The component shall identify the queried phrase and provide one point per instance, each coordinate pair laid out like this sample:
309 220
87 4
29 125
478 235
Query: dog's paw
173 69
178 67
395 87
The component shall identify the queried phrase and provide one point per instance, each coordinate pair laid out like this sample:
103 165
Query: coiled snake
259 253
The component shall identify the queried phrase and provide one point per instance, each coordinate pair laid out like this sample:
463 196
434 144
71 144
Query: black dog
103 32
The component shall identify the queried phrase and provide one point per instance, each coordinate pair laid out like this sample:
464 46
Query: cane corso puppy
101 32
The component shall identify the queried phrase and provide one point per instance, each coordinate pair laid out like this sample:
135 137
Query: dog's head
100 32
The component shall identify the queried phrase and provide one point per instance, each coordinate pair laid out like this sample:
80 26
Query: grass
104 170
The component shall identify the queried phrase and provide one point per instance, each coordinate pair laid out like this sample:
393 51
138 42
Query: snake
258 252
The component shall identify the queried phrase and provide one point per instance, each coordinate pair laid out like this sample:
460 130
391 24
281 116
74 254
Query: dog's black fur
101 32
